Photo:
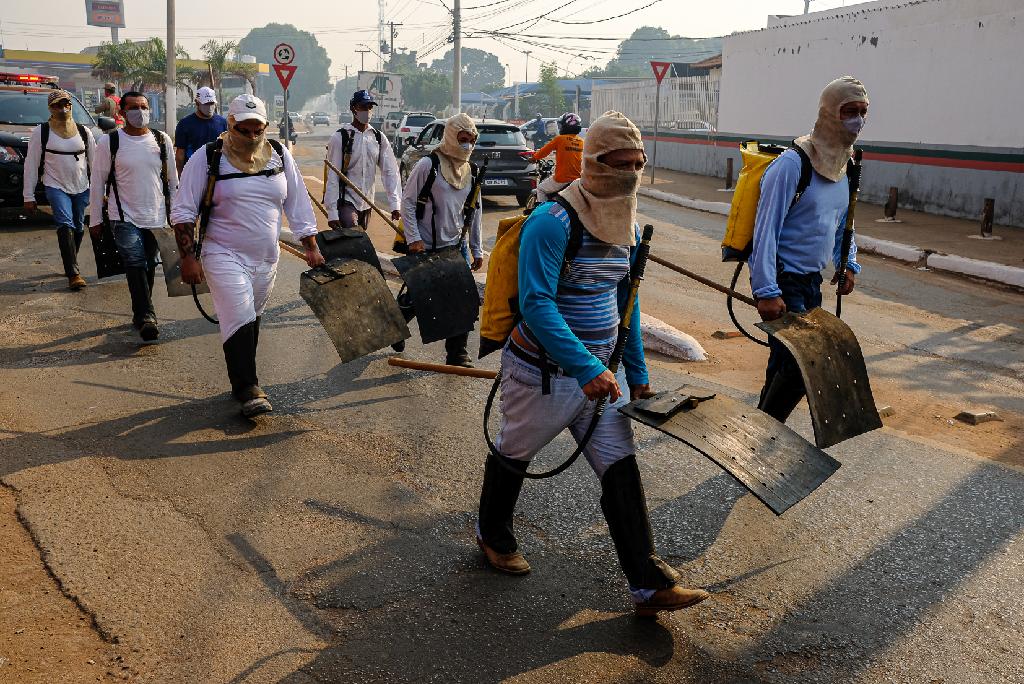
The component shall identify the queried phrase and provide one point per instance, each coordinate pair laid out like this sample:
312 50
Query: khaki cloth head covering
605 197
62 124
245 154
830 145
454 160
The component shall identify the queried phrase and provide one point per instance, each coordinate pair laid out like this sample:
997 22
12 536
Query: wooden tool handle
346 181
701 279
441 368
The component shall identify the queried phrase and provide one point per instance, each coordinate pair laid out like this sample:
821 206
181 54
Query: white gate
687 102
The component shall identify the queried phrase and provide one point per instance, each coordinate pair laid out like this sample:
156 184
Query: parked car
22 108
391 122
410 126
345 117
510 170
321 119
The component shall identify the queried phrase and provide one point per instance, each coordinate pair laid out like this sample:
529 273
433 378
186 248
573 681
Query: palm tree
115 61
216 53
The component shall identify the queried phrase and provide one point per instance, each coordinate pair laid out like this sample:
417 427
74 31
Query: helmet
569 124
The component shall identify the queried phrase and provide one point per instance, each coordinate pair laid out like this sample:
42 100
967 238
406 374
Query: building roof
709 63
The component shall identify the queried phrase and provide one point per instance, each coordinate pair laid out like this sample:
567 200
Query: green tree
633 56
481 70
343 89
426 90
140 65
224 59
313 75
552 100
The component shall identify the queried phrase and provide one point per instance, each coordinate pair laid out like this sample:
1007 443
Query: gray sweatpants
531 419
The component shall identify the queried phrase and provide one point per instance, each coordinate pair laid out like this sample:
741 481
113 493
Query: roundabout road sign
284 53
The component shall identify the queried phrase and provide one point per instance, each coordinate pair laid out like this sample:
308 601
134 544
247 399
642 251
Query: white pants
531 419
240 290
549 186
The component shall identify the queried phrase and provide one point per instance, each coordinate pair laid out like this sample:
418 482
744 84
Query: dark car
23 106
510 170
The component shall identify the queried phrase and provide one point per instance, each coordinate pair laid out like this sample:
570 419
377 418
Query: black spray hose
636 275
195 297
844 253
732 314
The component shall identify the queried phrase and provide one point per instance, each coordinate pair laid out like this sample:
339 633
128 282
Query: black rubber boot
256 334
781 394
498 497
456 351
78 240
143 313
68 250
240 357
625 510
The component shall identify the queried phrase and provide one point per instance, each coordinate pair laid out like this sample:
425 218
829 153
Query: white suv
410 126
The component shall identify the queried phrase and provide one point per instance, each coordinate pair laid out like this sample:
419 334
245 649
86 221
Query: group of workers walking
555 365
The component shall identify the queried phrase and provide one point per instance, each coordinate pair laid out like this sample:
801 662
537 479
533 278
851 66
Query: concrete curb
949 263
658 336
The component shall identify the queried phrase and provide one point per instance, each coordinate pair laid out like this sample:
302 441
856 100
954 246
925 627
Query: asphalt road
332 541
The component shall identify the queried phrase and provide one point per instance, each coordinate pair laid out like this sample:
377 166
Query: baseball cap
56 96
206 95
361 97
246 107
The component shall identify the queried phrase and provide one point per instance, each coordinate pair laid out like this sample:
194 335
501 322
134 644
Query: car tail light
533 183
406 129
526 154
9 154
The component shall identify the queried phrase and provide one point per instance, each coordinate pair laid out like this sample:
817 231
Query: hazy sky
341 26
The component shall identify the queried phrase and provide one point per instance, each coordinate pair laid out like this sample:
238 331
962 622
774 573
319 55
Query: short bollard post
987 214
891 205
728 173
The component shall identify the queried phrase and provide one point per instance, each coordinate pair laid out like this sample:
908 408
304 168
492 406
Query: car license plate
496 181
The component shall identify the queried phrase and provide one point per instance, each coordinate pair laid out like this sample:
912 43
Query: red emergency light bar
15 79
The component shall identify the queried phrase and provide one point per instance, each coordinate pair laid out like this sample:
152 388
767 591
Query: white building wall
938 72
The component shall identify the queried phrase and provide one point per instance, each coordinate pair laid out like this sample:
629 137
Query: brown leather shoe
510 563
673 598
76 282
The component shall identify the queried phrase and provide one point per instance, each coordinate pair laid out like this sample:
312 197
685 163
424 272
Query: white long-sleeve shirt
443 211
367 157
137 174
247 213
61 171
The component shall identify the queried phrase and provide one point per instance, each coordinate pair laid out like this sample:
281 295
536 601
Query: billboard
106 13
386 89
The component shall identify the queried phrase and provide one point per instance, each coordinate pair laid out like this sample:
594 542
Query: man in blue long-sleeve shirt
555 365
795 240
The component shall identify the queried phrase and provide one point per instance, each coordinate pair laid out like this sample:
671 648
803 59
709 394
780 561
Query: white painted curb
658 336
1000 273
688 202
895 250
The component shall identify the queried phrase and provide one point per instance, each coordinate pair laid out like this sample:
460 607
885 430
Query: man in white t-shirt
58 155
138 199
358 150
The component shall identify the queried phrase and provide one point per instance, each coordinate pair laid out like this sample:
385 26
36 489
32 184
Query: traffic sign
660 69
285 73
284 53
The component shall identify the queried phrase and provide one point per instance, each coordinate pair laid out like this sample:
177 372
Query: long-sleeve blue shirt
804 239
576 317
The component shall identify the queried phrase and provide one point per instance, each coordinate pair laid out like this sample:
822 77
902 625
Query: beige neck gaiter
244 153
455 168
830 145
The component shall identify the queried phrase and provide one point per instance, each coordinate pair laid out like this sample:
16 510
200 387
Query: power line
598 21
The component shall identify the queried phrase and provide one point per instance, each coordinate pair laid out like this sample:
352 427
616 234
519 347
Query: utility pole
457 57
113 35
807 6
171 98
393 25
527 53
362 59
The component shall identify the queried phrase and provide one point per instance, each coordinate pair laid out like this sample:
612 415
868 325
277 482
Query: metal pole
657 116
517 99
807 6
457 57
171 91
527 79
287 123
113 35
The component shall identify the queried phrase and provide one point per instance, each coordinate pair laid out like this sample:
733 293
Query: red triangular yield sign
285 73
660 69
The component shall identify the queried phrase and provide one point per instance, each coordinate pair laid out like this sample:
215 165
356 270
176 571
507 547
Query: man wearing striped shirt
554 367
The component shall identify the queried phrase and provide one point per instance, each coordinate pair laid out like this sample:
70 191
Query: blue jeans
137 246
68 210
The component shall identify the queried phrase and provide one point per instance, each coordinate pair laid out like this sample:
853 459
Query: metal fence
688 102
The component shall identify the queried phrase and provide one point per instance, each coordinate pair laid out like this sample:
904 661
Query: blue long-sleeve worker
794 242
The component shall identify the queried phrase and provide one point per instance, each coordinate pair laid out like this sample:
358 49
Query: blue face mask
854 125
466 146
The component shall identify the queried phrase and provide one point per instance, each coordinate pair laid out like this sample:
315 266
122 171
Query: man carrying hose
554 367
796 237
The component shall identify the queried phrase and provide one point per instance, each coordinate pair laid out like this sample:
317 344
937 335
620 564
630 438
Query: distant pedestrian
359 150
198 128
59 152
568 149
134 172
258 184
795 238
110 104
449 215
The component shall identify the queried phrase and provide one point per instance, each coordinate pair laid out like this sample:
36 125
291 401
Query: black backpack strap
576 231
214 152
265 172
164 182
806 171
84 135
44 139
380 145
115 139
276 144
428 185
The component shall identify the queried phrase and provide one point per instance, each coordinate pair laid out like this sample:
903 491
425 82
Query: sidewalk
939 242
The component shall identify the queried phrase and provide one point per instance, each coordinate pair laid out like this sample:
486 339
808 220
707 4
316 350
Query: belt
533 360
546 368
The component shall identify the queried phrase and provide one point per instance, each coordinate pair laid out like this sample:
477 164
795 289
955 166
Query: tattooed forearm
308 242
184 235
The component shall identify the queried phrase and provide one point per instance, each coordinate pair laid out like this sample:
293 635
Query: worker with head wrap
554 366
450 212
796 237
258 183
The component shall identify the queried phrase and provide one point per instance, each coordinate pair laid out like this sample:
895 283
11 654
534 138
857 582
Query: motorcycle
545 167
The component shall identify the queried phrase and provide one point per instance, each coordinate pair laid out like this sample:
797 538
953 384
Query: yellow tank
739 231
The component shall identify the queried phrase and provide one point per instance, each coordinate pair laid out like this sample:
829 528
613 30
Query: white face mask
138 118
362 116
206 109
466 146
